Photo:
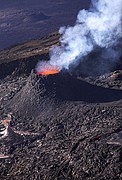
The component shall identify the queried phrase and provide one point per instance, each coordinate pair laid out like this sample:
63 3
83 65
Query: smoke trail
100 26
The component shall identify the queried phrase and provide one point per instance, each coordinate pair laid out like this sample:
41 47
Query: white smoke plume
100 26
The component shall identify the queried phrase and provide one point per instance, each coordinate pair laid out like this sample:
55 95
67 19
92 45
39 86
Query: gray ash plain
62 126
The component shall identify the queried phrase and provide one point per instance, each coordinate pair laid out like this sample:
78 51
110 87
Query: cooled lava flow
45 68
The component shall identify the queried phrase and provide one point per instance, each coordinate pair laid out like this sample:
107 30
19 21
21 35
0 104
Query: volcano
78 119
42 92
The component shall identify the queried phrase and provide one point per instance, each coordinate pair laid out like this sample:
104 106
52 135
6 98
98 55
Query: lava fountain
45 68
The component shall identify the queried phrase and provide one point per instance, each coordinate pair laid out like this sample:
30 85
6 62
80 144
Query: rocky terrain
59 126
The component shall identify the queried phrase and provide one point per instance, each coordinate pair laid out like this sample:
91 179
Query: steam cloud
100 26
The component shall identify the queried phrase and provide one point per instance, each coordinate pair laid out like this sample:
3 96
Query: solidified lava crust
62 126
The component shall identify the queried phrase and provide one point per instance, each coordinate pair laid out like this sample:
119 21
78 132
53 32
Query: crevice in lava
91 139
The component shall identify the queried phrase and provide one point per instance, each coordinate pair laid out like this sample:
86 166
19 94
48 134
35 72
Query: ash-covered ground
62 126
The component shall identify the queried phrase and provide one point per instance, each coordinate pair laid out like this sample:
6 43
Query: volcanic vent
45 68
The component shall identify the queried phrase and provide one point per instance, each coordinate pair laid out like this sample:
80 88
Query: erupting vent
45 68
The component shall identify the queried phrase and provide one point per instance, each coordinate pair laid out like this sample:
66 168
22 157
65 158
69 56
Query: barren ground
62 126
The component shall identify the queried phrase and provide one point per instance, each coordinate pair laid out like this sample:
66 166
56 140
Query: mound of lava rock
40 93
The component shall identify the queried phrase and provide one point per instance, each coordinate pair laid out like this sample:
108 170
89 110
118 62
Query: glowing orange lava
6 121
48 69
